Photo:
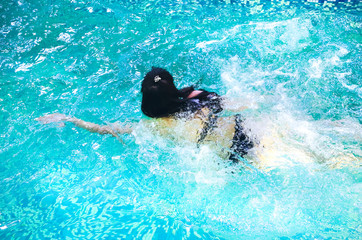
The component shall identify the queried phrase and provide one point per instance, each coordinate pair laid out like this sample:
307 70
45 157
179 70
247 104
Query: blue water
295 65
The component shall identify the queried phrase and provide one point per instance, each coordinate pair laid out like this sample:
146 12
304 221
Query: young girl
181 114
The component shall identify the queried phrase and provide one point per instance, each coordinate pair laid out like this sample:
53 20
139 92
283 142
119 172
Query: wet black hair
160 97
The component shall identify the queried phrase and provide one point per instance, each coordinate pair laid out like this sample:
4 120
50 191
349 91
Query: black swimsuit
240 143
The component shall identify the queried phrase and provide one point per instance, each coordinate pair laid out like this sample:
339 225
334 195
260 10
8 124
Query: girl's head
160 97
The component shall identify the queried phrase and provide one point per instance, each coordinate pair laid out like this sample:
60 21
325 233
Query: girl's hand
52 118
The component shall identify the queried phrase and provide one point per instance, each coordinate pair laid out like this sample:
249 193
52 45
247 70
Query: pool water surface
295 66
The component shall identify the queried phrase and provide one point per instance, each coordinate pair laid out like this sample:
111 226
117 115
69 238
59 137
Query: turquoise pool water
295 65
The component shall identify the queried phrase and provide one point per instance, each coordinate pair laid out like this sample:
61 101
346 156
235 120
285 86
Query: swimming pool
295 65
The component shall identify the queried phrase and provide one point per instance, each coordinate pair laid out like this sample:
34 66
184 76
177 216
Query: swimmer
182 114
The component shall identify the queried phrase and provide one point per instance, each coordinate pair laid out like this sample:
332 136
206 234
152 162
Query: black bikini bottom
241 142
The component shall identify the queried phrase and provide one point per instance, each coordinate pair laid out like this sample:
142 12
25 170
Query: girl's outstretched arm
112 129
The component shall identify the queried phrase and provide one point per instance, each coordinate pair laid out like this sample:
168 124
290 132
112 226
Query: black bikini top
240 143
210 100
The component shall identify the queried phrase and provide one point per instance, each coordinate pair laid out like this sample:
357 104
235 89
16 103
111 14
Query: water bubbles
65 37
316 68
95 146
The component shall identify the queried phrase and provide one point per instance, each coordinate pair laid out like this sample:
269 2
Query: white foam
52 49
342 51
204 44
270 25
24 67
65 37
316 68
